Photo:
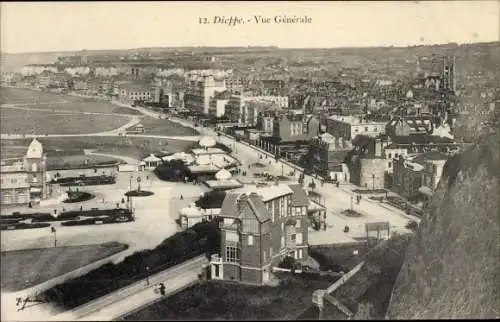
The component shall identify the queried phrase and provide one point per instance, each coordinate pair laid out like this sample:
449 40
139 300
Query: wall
251 254
370 167
251 276
231 272
406 182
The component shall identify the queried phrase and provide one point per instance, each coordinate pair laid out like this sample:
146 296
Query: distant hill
353 56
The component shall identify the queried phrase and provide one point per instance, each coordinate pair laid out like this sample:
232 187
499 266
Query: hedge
201 238
24 226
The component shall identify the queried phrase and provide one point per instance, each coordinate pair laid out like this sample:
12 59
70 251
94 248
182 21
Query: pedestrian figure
81 208
162 289
182 198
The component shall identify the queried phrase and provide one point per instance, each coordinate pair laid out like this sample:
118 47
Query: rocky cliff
452 267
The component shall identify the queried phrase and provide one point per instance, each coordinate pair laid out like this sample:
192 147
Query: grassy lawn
124 146
26 268
230 301
77 161
37 122
69 103
12 151
25 96
156 126
125 110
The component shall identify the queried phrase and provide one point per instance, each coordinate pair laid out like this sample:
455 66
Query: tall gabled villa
259 227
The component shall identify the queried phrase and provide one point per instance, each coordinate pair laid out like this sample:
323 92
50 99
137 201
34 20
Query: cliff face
452 267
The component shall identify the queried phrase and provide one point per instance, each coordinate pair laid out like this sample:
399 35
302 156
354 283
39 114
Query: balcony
215 259
230 225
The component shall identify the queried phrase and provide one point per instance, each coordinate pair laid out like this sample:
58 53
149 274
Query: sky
60 26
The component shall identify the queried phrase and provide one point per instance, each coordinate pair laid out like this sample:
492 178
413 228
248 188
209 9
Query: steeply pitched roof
299 197
258 208
229 207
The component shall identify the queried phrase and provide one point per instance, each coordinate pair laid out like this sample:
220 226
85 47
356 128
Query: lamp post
352 197
130 183
138 184
53 230
373 181
147 275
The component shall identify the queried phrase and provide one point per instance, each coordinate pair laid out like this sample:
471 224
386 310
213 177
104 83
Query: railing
231 226
215 258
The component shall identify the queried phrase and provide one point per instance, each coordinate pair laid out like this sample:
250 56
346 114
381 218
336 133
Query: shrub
412 225
202 238
174 170
212 199
288 262
78 196
141 193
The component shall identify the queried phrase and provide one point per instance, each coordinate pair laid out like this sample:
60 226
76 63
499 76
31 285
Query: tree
412 225
212 199
288 262
174 170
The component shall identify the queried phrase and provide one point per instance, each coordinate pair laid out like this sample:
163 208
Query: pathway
137 295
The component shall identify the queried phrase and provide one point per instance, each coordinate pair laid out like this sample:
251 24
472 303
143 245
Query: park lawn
12 151
125 110
134 147
156 126
231 301
139 148
77 161
26 268
26 96
37 122
69 103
